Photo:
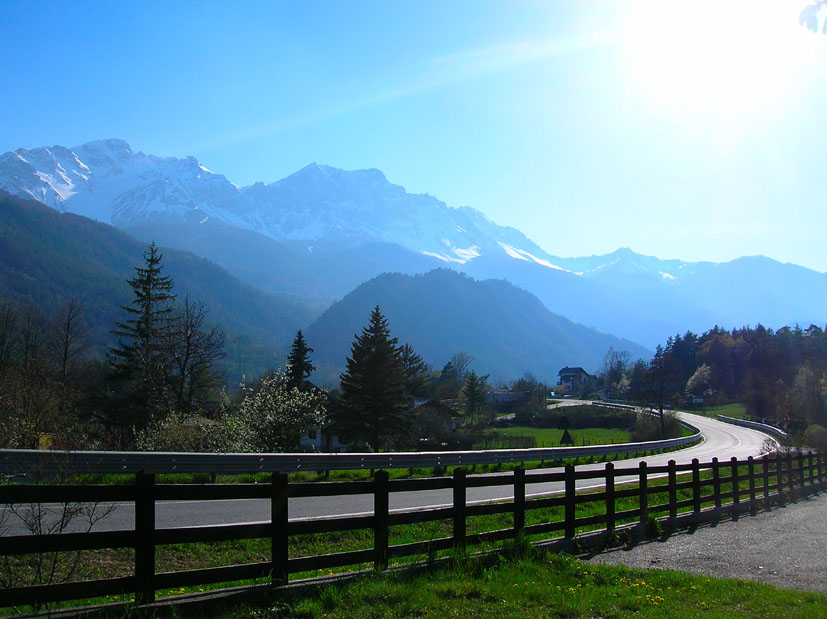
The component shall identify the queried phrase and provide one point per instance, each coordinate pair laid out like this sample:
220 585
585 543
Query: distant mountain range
49 257
319 233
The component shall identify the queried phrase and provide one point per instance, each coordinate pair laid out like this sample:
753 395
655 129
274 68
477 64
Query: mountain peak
317 171
110 145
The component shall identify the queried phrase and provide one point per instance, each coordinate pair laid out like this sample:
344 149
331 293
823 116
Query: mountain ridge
291 236
508 331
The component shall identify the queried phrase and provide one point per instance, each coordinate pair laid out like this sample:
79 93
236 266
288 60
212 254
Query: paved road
720 439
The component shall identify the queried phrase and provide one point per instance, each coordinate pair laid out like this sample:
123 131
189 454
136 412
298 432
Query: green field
735 410
550 437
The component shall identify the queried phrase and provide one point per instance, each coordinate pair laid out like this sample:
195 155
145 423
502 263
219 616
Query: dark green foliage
416 371
299 367
474 395
373 406
139 361
780 376
166 358
448 383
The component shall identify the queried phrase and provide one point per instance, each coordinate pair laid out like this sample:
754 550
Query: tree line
780 376
161 387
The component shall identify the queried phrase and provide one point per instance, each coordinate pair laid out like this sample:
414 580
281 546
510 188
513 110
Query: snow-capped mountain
107 181
320 232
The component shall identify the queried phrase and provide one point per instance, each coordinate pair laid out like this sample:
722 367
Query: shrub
816 437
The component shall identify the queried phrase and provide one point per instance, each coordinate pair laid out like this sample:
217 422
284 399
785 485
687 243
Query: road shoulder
784 547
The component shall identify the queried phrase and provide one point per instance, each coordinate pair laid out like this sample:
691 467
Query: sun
722 57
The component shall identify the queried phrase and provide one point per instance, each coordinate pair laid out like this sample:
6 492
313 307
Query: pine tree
299 367
138 367
373 405
474 394
415 370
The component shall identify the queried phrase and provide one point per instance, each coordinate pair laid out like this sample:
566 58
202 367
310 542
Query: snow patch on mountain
520 254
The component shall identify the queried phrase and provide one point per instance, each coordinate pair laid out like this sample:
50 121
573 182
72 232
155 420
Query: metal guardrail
21 461
755 425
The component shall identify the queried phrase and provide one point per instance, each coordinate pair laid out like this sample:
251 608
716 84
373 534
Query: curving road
720 439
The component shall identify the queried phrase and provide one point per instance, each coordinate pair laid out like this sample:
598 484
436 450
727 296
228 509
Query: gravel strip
785 547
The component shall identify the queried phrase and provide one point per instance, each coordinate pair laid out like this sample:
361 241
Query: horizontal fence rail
670 496
21 461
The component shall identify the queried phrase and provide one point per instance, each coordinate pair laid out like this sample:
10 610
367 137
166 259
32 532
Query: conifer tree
138 362
299 367
415 370
474 394
373 406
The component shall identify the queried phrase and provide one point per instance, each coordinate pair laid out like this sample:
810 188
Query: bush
647 427
816 437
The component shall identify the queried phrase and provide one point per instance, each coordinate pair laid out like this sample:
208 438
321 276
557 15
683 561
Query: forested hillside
506 330
48 257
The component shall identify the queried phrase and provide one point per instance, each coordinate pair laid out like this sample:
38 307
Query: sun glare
722 57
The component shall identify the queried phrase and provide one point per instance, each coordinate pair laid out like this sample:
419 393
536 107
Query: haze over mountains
321 232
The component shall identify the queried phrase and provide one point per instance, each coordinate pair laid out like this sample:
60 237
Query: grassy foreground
536 585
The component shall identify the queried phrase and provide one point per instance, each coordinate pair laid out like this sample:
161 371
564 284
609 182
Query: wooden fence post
278 537
673 492
791 475
696 489
381 502
811 468
643 494
765 463
570 502
779 477
736 490
610 499
145 537
801 473
459 508
751 473
716 486
820 460
519 501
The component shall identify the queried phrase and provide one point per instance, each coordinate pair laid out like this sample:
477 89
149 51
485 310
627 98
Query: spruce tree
138 367
373 406
415 370
474 394
299 367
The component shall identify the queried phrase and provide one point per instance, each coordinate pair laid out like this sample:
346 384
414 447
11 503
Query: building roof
568 370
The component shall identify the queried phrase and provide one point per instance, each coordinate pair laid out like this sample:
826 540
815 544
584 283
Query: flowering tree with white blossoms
274 416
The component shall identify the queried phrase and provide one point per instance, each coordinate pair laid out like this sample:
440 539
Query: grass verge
526 584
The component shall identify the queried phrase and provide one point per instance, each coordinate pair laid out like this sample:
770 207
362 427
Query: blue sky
690 130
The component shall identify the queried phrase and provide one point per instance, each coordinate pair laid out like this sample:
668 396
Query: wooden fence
713 489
